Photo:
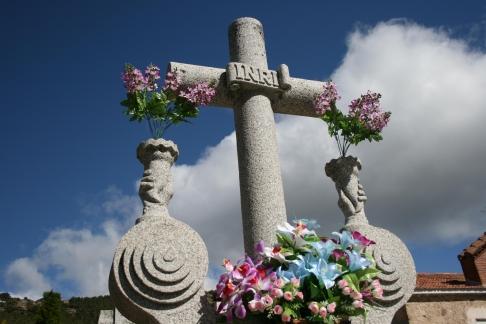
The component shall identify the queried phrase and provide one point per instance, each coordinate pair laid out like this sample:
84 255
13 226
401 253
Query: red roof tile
476 247
443 281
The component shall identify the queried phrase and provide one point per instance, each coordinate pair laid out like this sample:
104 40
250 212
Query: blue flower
325 272
300 267
346 240
286 275
324 249
356 261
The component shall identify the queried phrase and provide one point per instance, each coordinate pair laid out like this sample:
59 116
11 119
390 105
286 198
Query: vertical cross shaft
262 197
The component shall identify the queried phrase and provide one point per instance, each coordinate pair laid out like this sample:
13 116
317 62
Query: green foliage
50 310
75 311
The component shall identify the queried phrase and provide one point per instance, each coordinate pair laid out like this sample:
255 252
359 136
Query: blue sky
68 153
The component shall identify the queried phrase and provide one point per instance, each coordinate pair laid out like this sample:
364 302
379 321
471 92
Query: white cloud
80 258
28 280
428 173
425 181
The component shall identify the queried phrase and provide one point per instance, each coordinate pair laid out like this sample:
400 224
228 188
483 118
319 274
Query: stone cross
255 93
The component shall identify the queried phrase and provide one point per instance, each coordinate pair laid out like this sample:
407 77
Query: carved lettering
274 78
240 74
266 78
252 74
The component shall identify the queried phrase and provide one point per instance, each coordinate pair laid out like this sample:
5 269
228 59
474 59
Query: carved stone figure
344 172
392 257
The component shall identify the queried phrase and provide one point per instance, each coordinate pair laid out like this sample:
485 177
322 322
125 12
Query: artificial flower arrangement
365 119
302 277
171 105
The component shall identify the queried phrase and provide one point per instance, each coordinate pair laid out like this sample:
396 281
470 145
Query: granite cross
255 93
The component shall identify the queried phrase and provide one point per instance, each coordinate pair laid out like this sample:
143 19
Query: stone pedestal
392 257
160 264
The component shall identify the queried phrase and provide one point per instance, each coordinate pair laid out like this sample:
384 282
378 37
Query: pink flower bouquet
171 105
302 277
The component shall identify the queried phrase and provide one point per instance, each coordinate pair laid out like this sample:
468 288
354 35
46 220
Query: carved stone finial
391 255
160 265
157 157
344 173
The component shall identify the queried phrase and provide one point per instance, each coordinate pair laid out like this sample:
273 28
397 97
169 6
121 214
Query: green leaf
366 274
352 280
315 291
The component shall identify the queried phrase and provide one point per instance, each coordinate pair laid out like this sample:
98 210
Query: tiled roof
443 281
476 247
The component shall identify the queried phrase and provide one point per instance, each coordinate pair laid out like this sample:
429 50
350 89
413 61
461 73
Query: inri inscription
240 74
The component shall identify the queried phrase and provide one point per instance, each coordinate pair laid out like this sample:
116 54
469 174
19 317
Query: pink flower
244 269
367 110
277 310
363 240
314 308
252 306
152 74
358 304
378 292
267 301
356 295
376 283
279 283
286 318
331 308
300 295
342 283
346 291
288 296
324 101
295 282
133 79
172 81
323 312
260 306
200 94
276 292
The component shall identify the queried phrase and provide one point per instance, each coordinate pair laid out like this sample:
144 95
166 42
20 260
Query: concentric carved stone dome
165 268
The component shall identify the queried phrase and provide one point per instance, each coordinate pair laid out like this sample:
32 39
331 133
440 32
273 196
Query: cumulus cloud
425 181
76 261
29 281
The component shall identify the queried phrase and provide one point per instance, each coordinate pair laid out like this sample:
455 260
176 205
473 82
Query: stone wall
446 309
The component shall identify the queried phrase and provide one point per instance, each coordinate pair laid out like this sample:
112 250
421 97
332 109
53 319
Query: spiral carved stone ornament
398 275
160 264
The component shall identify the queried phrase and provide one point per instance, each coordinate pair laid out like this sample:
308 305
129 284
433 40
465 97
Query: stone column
262 197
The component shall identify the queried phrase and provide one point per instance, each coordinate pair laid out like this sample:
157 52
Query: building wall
446 309
480 263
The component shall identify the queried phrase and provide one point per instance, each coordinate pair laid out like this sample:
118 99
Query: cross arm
298 100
